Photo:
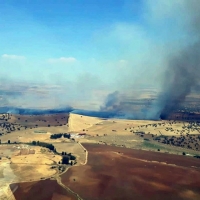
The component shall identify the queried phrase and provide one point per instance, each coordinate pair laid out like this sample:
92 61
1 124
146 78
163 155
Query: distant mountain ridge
92 113
29 111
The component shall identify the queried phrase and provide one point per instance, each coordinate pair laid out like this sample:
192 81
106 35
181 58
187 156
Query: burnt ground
40 190
194 116
114 173
14 122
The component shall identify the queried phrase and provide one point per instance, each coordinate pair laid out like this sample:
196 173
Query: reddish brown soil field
40 190
114 173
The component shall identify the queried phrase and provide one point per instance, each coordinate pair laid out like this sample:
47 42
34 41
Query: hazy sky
92 45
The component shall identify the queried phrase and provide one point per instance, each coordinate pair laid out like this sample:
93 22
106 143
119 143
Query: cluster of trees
67 135
8 126
44 144
59 135
55 136
65 160
197 157
186 141
66 157
71 157
9 142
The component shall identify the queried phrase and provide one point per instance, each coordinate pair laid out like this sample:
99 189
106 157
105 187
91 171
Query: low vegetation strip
86 153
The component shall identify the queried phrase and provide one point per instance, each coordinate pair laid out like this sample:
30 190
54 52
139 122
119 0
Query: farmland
119 173
146 150
40 190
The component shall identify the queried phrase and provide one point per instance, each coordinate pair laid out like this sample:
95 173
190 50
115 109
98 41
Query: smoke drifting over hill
26 111
162 49
181 76
183 73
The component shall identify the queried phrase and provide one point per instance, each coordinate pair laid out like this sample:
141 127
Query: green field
148 145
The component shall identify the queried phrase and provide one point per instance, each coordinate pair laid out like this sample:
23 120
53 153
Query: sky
87 47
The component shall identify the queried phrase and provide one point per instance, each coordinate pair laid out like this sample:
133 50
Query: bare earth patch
41 190
120 173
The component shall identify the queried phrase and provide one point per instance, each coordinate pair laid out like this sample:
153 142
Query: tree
184 153
65 160
8 141
66 135
72 157
55 136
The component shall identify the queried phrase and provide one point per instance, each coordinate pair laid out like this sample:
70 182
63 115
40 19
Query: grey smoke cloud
181 71
172 66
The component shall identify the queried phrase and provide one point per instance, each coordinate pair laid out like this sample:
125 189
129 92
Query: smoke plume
154 45
181 74
183 70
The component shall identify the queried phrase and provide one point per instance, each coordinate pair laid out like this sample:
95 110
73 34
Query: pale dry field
79 122
16 168
97 126
93 126
71 147
167 128
29 135
125 133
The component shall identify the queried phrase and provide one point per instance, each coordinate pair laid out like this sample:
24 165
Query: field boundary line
86 156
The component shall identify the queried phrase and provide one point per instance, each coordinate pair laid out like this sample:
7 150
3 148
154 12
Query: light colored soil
79 122
166 128
36 165
26 172
72 147
94 126
27 167
1 172
29 135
